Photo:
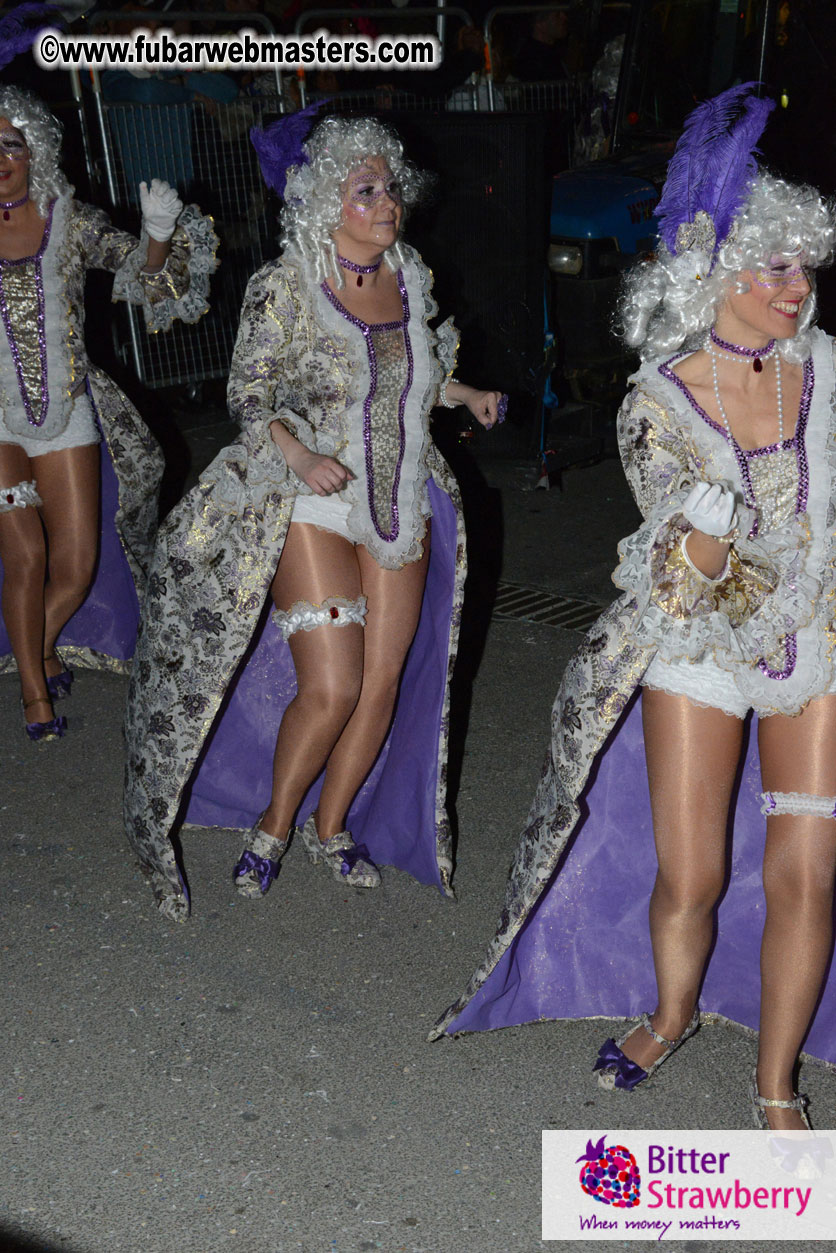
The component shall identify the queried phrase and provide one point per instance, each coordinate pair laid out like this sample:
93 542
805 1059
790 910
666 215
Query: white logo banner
689 1185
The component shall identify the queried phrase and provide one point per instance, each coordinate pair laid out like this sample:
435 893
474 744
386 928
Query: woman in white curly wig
60 584
358 546
727 438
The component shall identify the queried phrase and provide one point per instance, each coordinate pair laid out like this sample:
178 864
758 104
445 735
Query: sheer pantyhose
48 556
692 757
347 677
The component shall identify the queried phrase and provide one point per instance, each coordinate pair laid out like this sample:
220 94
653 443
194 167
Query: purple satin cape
394 813
584 950
108 619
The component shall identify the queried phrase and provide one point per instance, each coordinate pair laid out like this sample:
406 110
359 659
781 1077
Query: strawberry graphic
609 1174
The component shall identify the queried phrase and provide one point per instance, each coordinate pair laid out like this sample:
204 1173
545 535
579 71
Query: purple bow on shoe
52 730
351 855
59 685
628 1073
265 869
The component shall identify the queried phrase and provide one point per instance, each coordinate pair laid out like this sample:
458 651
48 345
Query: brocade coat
298 360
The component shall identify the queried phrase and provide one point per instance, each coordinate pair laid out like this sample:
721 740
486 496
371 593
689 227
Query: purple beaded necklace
737 350
359 270
13 204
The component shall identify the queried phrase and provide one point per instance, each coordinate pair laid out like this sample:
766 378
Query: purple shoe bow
628 1073
265 869
353 854
51 730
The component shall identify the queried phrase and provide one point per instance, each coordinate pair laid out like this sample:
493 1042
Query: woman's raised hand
161 207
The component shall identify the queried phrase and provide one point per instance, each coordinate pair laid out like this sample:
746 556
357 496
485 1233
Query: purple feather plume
20 27
714 162
280 145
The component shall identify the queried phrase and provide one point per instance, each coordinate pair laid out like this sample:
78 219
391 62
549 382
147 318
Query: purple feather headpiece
281 145
712 170
20 27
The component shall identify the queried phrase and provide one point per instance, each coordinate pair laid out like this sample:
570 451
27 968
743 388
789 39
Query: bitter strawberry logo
609 1174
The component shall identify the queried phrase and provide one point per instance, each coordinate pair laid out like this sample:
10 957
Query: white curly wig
313 193
42 133
668 304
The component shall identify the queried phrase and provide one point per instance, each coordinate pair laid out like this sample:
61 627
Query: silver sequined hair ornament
42 133
313 191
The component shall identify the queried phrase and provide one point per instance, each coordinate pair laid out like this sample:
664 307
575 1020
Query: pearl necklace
359 270
750 352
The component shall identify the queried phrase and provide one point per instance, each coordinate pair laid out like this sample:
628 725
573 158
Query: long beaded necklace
756 356
359 270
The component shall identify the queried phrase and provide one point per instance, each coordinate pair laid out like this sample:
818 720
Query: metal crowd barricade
206 153
212 162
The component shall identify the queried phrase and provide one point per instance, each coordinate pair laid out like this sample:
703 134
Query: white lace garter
798 803
335 611
19 497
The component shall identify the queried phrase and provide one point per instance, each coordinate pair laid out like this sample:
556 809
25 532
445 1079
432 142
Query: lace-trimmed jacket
769 621
50 373
298 359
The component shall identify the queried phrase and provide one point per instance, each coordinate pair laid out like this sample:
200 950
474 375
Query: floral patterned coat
218 550
773 612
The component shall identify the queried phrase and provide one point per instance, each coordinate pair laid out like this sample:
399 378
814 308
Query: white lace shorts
328 512
705 683
80 430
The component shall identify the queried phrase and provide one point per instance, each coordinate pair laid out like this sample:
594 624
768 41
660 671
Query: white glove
710 508
161 207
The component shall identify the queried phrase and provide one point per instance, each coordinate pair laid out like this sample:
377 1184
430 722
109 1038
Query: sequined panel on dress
385 431
774 478
21 309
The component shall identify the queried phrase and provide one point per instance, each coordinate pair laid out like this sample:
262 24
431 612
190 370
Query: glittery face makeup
367 187
781 272
12 144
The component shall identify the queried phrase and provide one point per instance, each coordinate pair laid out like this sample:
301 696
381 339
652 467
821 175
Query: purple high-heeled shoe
59 685
42 732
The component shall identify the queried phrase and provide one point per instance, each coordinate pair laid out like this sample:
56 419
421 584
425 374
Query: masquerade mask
13 145
780 272
367 187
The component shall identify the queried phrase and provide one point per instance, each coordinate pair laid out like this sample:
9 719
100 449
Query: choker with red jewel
12 204
359 270
756 356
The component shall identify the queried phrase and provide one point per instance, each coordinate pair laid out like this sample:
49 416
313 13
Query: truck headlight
564 259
